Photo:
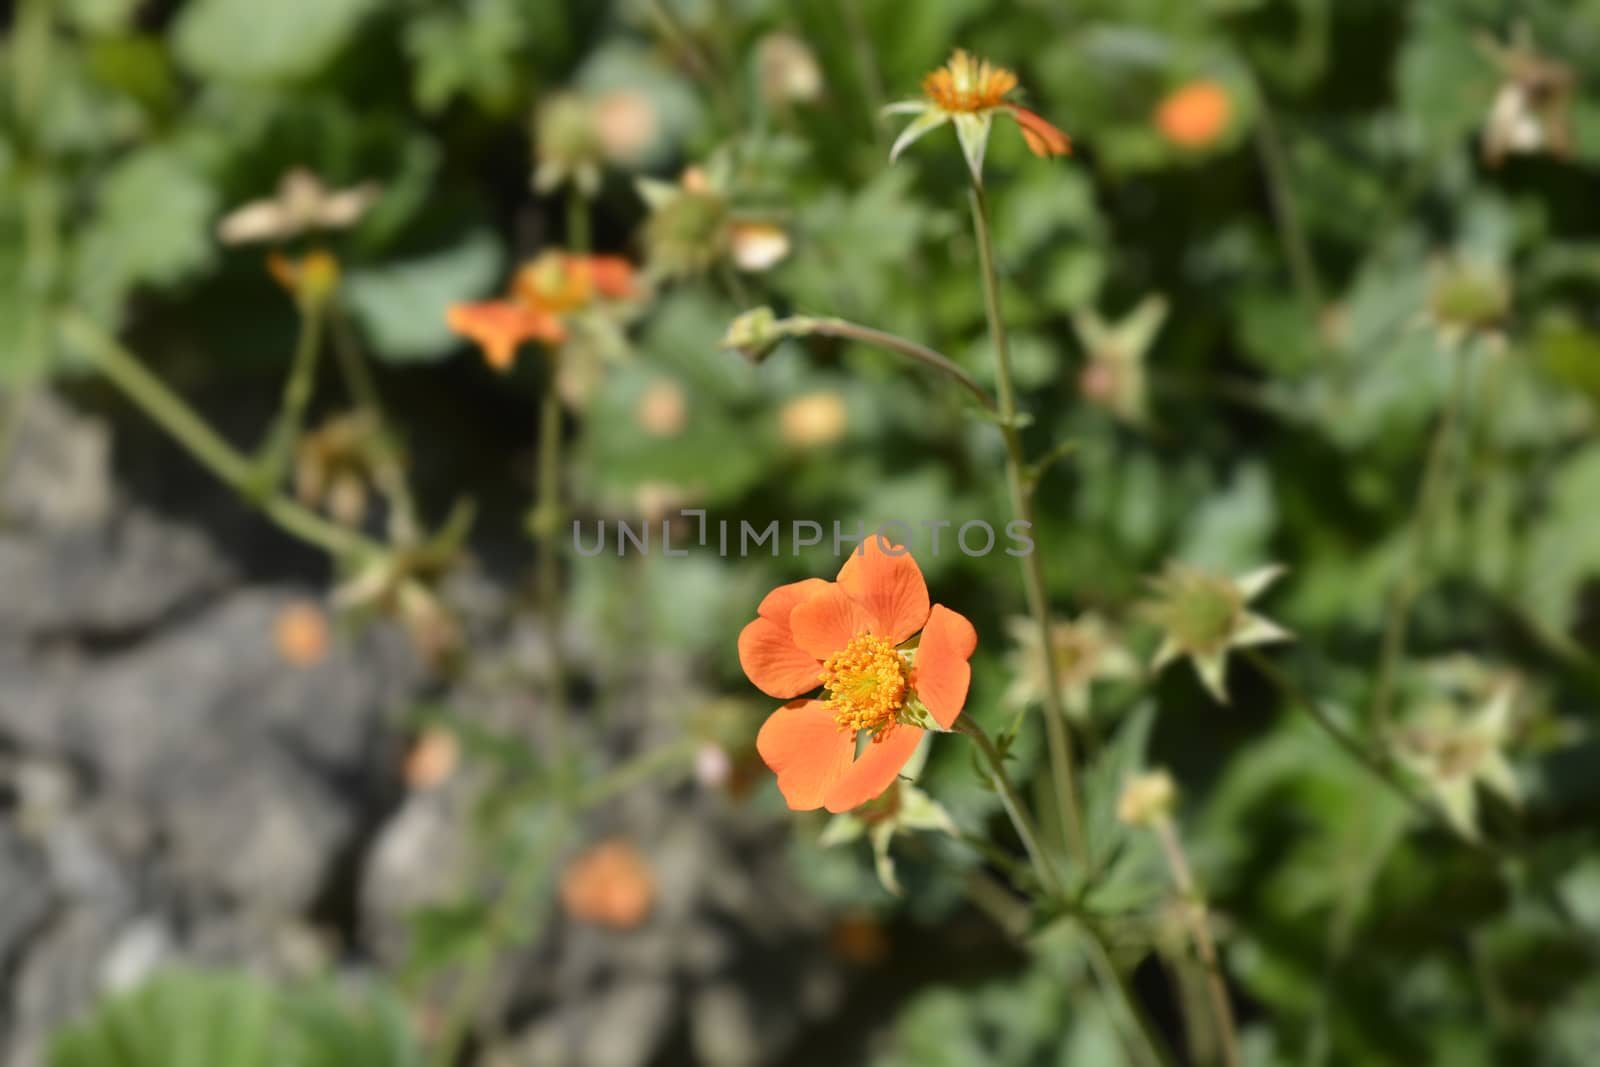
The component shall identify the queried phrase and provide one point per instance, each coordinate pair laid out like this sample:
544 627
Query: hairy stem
277 452
1198 921
919 353
1015 808
1058 740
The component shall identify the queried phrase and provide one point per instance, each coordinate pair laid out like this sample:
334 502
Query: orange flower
969 92
500 327
610 885
311 279
1194 115
545 293
852 637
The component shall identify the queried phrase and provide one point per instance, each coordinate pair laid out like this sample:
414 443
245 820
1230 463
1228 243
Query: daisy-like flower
853 638
970 92
1456 739
1205 616
546 294
302 203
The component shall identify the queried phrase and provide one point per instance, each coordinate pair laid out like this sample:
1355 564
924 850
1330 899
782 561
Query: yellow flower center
967 84
866 683
553 283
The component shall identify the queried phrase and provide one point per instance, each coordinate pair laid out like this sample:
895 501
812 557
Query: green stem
1198 920
1379 765
1057 738
1140 1032
278 451
636 771
579 241
832 327
406 527
180 421
547 530
866 64
1015 808
1275 165
512 908
1430 495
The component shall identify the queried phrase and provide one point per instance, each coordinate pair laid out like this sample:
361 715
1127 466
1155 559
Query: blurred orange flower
1194 115
970 92
545 293
609 885
310 279
853 637
301 634
433 758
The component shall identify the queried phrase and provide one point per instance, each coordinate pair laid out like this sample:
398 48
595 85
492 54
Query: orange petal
612 276
888 583
825 623
875 770
1043 138
942 673
773 663
806 750
500 326
777 604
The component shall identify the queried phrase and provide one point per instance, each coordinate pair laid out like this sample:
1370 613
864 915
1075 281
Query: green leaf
278 42
151 228
181 1019
402 305
471 52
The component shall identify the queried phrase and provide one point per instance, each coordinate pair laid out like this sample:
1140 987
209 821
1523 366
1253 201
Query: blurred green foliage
1327 260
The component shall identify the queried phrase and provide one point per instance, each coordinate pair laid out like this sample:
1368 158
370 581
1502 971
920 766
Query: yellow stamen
553 283
968 85
866 682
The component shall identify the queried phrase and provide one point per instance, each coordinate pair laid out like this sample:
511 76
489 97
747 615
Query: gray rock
26 899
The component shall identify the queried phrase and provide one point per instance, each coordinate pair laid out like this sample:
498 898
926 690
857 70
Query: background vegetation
1379 366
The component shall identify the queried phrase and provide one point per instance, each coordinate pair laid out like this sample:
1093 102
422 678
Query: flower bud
1147 798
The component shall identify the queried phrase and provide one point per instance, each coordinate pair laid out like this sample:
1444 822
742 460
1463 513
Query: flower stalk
196 436
1058 740
1015 808
272 462
1430 496
1196 917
